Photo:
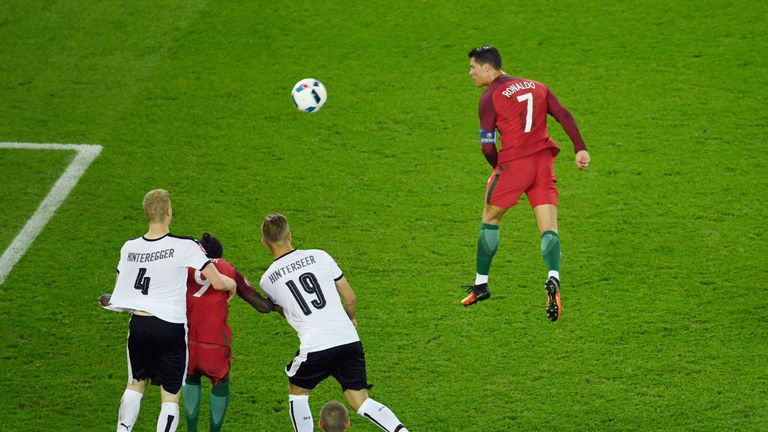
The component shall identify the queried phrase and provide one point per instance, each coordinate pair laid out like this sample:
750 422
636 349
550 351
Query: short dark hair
487 54
212 246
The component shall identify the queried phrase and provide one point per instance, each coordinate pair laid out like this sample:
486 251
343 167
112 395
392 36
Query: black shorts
157 350
346 363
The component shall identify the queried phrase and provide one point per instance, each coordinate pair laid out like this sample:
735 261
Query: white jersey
152 276
303 283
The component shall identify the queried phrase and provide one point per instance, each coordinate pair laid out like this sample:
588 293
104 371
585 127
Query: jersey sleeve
194 256
264 287
334 268
487 114
566 120
244 287
119 267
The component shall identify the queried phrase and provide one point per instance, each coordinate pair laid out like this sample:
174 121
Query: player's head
212 246
157 206
486 55
333 417
275 230
484 64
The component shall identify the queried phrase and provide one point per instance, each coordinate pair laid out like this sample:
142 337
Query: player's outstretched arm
253 297
566 120
219 281
348 297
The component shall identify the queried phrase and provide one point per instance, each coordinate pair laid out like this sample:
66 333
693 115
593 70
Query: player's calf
381 416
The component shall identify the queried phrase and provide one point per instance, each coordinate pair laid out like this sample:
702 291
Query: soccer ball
309 95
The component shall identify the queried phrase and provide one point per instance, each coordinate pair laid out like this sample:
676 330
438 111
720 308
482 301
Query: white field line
86 153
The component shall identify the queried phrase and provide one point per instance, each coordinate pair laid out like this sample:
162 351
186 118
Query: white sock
480 279
554 273
168 420
301 415
129 410
381 416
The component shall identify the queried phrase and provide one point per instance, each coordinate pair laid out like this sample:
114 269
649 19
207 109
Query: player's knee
221 388
355 398
137 385
168 397
295 390
493 214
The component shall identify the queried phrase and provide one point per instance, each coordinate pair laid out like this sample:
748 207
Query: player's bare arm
219 281
250 295
566 120
348 298
259 302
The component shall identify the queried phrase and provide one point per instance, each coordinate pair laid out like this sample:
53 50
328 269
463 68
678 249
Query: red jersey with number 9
517 108
207 308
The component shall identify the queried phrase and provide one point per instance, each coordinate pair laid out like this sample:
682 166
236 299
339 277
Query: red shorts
533 175
213 361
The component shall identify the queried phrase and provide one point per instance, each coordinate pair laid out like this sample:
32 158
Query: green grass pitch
664 240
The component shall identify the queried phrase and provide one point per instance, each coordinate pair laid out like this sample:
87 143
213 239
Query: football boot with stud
476 293
554 307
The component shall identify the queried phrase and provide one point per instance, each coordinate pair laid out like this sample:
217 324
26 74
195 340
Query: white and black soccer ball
309 95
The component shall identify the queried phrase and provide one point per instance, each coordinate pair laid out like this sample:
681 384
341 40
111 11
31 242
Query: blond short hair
156 204
334 417
274 229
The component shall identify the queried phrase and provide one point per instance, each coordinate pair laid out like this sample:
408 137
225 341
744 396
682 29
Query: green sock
191 391
219 402
550 250
487 245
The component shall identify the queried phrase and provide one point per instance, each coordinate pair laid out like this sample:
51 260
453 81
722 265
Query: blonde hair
156 204
334 417
274 229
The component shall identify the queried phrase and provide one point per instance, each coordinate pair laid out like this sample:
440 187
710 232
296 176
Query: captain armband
487 137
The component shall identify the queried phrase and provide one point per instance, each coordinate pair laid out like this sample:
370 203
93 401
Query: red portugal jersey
517 108
207 308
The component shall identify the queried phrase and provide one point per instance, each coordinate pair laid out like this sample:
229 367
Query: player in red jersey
210 338
517 108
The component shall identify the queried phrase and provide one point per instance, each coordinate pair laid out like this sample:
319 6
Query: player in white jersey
151 284
308 287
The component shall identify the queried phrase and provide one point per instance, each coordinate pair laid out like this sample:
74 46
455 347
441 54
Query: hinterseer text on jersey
151 256
292 267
